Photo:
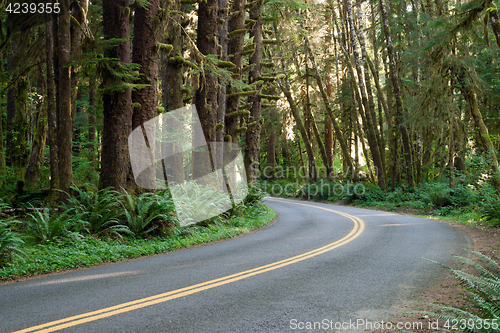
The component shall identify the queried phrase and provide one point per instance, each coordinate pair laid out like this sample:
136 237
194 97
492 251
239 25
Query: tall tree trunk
252 139
235 49
64 123
206 93
40 137
172 85
324 96
483 137
117 105
222 97
51 104
367 106
285 88
397 95
91 137
144 54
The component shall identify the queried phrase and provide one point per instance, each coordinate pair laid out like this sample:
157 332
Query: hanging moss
255 85
221 21
219 127
136 106
236 33
225 64
267 78
189 2
273 97
249 23
243 93
185 90
247 52
250 46
164 48
261 121
246 106
239 113
228 138
268 105
252 124
251 4
271 41
267 64
160 109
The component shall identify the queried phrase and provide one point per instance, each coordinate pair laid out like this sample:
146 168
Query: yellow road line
143 302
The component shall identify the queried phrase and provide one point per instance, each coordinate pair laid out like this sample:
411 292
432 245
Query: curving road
317 263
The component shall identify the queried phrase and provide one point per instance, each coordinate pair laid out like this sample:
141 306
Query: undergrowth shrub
46 226
9 242
491 209
482 289
101 209
145 214
254 196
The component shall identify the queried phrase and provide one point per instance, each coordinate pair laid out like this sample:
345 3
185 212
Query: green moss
272 97
236 33
225 64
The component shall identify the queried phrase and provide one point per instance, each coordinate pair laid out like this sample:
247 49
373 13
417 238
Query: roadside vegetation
106 226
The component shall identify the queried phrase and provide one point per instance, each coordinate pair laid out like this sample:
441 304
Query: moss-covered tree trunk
483 137
36 158
206 93
144 54
367 102
51 104
397 95
117 104
64 121
252 139
236 35
172 86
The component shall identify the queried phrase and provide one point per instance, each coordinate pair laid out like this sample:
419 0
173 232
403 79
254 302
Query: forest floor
444 288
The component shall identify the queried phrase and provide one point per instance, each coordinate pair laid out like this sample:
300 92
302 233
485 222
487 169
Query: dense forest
396 93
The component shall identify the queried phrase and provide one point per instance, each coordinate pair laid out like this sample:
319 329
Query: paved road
316 263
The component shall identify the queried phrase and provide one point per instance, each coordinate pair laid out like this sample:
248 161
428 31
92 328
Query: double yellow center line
160 298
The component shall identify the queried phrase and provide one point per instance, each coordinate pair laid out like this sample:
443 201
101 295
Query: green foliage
482 290
254 196
90 251
209 201
46 227
101 210
491 209
145 213
9 242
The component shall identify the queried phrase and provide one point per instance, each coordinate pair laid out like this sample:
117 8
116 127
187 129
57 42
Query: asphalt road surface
320 263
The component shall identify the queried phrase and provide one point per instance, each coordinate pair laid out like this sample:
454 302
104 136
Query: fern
9 242
46 227
101 210
482 290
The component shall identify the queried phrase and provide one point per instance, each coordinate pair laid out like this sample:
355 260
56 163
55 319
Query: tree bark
206 93
64 123
117 105
51 104
368 107
252 139
397 95
235 51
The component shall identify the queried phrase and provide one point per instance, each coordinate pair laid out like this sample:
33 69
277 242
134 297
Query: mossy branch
272 97
239 113
236 32
243 93
164 48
